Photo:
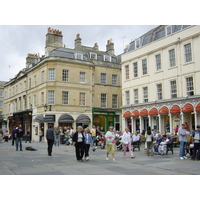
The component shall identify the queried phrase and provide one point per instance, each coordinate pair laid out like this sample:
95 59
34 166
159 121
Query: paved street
63 162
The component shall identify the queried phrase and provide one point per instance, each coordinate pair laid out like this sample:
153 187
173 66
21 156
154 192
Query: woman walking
126 140
149 139
87 142
110 140
78 140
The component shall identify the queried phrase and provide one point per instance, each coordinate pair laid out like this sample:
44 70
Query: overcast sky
17 41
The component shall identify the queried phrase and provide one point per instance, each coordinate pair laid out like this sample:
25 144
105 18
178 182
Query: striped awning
187 108
39 118
135 113
65 118
198 107
83 119
175 109
127 114
153 111
164 110
144 112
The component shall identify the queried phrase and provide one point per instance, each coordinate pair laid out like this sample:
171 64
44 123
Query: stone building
2 121
160 78
66 87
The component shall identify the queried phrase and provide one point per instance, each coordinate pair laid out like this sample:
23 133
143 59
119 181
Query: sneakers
181 158
107 158
184 157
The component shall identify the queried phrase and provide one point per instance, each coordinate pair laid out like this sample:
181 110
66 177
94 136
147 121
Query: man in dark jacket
196 139
50 135
19 136
14 132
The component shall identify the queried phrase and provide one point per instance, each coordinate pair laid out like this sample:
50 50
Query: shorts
110 148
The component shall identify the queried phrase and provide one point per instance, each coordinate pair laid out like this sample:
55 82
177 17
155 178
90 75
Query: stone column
195 119
171 123
159 122
150 121
141 124
182 117
132 126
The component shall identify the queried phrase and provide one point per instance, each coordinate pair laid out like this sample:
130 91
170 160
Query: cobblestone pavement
63 162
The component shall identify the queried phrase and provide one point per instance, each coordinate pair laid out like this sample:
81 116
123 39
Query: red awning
127 114
135 113
164 110
153 111
175 109
144 112
187 108
198 107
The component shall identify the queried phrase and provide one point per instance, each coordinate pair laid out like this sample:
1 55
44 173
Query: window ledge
174 67
188 63
159 71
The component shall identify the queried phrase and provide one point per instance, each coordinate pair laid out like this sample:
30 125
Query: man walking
14 132
50 134
196 139
182 132
19 136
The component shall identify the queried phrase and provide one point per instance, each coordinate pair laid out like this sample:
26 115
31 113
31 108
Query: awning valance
164 110
144 112
83 119
65 118
175 109
135 113
188 108
153 111
127 114
198 107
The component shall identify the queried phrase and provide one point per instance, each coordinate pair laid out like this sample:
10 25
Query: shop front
83 120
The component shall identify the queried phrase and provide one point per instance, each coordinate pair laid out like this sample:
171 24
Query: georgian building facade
65 87
160 79
2 121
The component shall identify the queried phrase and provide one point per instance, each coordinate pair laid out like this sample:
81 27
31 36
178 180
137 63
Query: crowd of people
155 142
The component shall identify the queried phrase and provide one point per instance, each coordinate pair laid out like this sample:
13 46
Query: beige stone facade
160 79
64 87
2 121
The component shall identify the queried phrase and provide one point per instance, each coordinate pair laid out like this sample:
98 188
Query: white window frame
42 98
93 54
135 69
103 78
82 100
172 60
34 101
173 89
127 72
51 97
190 86
137 43
42 76
159 91
144 68
167 31
114 101
79 56
65 75
127 96
51 74
136 99
158 62
103 100
65 97
145 94
107 58
82 77
188 54
114 79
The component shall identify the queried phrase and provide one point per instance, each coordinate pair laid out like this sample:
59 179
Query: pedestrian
78 140
176 130
94 133
57 136
158 141
196 140
110 143
50 139
186 126
19 136
182 132
28 136
87 142
126 140
41 134
6 136
149 140
14 132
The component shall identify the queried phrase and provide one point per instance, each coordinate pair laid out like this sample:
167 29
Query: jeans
156 148
41 138
19 141
182 149
57 140
150 146
87 148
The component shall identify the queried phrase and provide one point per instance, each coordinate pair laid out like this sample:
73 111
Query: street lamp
46 107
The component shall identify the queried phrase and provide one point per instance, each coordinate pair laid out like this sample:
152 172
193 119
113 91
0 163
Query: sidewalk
63 162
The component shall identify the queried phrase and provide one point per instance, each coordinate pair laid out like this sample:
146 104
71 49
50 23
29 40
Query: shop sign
49 118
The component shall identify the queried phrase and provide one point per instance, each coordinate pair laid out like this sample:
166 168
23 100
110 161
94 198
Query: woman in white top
126 140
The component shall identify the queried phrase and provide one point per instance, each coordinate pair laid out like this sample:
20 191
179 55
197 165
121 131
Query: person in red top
186 126
176 130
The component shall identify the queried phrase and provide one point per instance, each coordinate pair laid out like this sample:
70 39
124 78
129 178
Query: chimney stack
96 47
110 47
77 44
54 39
31 58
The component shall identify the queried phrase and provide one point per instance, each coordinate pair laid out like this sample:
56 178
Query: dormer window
79 56
93 56
107 58
137 43
168 30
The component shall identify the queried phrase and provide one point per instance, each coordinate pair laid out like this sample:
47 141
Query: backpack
196 136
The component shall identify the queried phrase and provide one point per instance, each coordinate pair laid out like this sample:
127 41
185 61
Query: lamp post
46 107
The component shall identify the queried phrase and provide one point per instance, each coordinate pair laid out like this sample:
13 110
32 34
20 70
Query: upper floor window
34 100
82 77
1 93
159 91
135 69
42 77
188 52
145 94
82 99
172 58
190 87
103 78
79 56
65 75
1 104
114 101
173 89
93 56
107 58
51 97
144 66
51 74
35 80
42 98
168 30
127 95
127 72
158 62
135 91
65 98
103 100
114 79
